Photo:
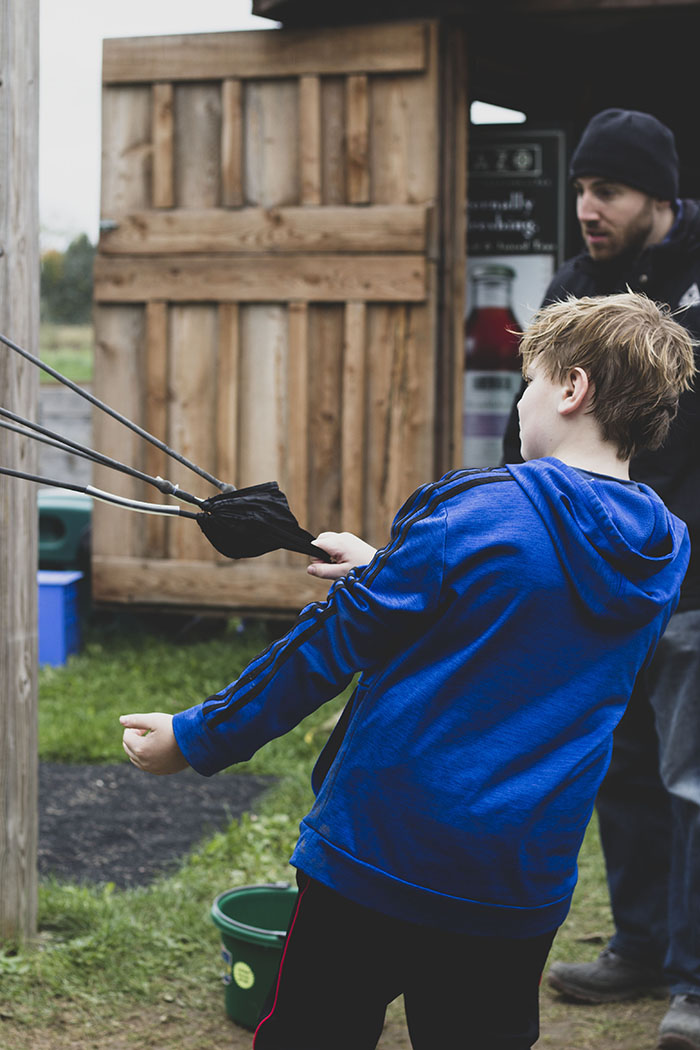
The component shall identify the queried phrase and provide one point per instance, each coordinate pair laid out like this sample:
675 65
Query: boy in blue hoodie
498 635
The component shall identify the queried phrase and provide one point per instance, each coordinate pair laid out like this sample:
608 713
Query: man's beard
631 240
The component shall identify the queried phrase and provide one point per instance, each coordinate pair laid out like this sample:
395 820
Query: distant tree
66 283
51 281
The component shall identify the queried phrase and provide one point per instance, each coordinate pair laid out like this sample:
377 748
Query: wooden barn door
274 288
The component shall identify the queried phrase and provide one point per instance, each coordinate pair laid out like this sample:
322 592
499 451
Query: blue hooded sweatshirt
498 636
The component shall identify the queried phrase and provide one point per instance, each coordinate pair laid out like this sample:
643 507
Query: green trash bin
252 921
64 528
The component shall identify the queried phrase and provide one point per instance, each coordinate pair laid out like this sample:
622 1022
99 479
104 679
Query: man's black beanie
629 147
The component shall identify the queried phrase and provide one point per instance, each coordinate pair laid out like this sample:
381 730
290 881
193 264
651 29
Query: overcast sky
72 32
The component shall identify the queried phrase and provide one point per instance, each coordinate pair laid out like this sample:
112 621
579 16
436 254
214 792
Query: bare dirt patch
172 1026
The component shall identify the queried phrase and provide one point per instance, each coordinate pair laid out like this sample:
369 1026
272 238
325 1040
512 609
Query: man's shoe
680 1028
608 979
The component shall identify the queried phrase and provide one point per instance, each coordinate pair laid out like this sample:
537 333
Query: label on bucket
243 975
228 959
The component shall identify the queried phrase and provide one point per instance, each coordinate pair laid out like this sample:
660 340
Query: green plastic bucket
253 923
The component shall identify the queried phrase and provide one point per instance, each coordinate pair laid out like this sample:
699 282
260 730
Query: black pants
344 963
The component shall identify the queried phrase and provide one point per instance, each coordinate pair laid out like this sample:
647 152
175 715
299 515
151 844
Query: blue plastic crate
59 619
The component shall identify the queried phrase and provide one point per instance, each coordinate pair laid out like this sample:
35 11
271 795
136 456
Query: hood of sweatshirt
622 549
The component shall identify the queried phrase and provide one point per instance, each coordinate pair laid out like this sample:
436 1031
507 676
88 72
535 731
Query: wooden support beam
332 51
383 228
19 318
261 278
230 586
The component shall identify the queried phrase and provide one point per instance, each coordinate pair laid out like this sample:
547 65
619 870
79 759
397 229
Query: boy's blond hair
637 357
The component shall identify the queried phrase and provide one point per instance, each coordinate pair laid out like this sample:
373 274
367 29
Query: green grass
69 349
124 668
103 951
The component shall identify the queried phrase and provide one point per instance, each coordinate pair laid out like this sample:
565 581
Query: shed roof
325 12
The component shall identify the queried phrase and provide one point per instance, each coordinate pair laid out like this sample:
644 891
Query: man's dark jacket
668 273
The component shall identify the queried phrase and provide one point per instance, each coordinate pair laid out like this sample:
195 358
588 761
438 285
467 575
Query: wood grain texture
351 49
228 392
120 366
262 278
294 281
333 154
19 317
197 147
354 402
192 374
298 414
127 150
271 143
232 143
310 139
451 260
157 462
324 416
233 586
214 231
163 132
262 404
358 139
263 394
400 411
404 122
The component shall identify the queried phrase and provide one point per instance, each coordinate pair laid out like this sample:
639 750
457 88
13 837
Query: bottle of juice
492 374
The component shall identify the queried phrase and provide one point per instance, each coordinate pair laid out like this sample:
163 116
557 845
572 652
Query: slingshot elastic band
221 485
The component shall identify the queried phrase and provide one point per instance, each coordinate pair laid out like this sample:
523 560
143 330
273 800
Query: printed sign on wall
515 242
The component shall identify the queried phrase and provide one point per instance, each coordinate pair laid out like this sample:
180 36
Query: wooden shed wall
267 300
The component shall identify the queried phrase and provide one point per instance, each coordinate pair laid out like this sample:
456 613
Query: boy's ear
575 389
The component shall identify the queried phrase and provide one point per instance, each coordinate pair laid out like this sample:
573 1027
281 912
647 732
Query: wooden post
19 319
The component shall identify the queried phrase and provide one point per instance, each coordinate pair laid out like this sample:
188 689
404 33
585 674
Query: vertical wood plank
192 416
358 142
156 411
271 143
353 478
197 145
326 327
119 380
310 139
417 463
263 404
404 123
400 413
19 316
227 393
231 143
451 266
333 150
163 132
127 150
298 398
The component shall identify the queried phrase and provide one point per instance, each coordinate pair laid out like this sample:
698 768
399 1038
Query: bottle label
488 400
